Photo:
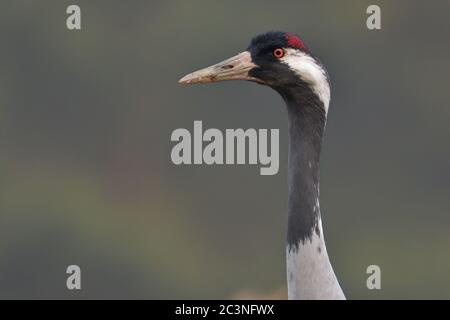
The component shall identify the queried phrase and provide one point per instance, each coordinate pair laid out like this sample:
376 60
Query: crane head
276 59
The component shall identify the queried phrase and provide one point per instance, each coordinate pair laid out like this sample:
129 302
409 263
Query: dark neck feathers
307 118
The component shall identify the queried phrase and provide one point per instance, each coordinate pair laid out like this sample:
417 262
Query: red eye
278 53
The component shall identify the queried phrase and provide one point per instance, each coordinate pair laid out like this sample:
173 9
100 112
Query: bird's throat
306 126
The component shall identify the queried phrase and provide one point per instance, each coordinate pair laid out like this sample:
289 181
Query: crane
281 61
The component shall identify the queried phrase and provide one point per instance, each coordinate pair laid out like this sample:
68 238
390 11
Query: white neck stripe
310 72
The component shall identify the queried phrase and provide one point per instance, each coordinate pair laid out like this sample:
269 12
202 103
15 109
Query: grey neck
310 275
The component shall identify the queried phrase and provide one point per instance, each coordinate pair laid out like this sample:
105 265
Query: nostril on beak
228 66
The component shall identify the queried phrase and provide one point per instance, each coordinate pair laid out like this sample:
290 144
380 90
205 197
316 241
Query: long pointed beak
234 68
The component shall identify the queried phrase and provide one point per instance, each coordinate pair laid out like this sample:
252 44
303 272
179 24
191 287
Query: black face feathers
271 69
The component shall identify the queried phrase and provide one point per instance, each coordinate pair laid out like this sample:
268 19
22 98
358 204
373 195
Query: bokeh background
85 170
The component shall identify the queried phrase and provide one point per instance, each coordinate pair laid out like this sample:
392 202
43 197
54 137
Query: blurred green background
85 170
